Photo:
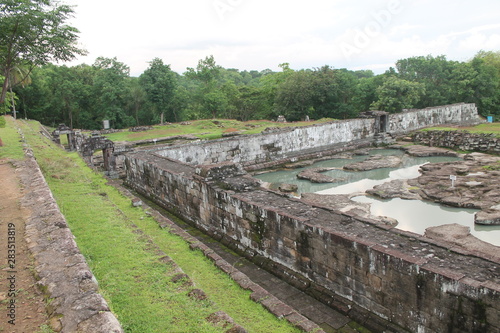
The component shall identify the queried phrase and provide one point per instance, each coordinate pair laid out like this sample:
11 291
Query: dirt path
22 308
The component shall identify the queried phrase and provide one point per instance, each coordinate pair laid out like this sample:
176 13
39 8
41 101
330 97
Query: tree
335 89
486 83
396 94
9 101
295 95
137 98
251 103
270 82
209 99
111 89
33 33
434 73
159 83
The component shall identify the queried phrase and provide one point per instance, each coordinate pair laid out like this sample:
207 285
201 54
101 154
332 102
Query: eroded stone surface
76 305
460 235
374 162
423 151
488 217
315 175
398 188
343 203
475 186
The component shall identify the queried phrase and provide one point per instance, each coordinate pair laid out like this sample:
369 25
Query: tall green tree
396 94
33 33
486 83
159 82
111 89
336 89
295 95
137 99
435 73
209 99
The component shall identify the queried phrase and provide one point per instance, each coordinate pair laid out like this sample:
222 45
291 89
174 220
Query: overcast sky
260 34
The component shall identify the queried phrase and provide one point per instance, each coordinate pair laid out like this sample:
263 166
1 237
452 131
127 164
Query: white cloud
479 41
258 34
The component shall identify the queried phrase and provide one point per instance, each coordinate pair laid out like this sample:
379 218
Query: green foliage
45 329
493 167
12 146
159 83
486 128
85 95
396 94
33 33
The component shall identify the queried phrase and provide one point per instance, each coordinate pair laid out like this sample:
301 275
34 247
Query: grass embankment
207 129
12 146
488 128
135 283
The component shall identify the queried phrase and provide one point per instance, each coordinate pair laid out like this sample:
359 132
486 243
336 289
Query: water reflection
354 181
413 215
416 216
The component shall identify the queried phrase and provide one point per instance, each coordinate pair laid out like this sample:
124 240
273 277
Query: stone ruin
62 129
87 145
384 278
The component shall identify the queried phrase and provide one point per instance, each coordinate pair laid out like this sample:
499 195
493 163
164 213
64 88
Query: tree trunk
161 118
13 103
4 90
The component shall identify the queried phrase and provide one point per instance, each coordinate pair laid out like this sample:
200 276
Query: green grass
206 129
487 128
136 285
12 146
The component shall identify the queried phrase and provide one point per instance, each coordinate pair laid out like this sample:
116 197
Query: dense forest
84 95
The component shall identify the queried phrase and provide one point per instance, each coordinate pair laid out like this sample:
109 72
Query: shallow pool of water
416 216
413 215
354 181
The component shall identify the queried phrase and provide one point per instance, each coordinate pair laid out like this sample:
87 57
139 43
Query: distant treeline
84 95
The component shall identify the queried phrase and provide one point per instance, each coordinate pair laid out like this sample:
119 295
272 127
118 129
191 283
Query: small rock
136 202
314 175
487 217
374 162
237 329
288 188
220 318
198 294
424 151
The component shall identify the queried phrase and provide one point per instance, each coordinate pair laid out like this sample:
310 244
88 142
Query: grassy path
132 278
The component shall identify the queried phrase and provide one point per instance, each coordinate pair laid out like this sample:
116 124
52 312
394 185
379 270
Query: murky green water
413 215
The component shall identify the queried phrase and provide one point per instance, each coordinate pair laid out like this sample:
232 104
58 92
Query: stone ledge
64 274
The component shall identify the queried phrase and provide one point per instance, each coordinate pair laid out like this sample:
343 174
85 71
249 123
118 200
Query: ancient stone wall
388 280
460 140
75 304
272 145
411 120
278 144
